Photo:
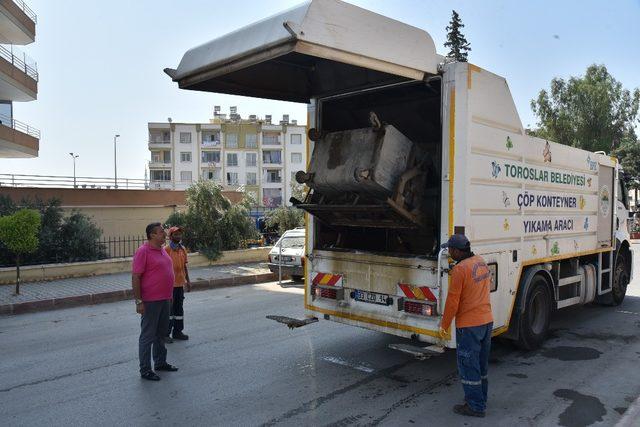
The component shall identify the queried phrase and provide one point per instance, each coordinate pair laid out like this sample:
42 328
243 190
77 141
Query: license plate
372 297
285 259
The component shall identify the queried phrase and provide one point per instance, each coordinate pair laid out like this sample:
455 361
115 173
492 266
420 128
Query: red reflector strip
428 294
417 292
327 279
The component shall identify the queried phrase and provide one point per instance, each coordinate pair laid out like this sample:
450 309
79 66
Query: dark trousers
154 322
473 348
176 320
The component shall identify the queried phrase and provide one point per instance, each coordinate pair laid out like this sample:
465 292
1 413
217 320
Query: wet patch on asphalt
518 375
626 339
620 410
569 354
583 411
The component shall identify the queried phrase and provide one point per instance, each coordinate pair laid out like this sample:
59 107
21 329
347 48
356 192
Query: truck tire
620 280
534 322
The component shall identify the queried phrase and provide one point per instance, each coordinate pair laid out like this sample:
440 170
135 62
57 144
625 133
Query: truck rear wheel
620 280
534 323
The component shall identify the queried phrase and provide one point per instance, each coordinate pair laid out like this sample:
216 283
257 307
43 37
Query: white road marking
342 362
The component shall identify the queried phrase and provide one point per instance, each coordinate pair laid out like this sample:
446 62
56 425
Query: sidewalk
40 296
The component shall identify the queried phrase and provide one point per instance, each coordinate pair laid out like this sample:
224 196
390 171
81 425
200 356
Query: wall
120 265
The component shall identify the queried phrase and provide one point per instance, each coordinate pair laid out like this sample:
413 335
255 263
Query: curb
121 295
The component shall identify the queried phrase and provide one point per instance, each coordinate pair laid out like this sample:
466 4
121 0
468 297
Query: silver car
292 251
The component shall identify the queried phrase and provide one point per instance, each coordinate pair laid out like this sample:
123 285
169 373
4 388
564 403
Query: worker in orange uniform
178 255
469 303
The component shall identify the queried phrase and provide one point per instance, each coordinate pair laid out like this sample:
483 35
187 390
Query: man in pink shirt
152 281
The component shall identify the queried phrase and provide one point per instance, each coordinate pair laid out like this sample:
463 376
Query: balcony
159 143
271 140
17 22
18 75
159 165
18 139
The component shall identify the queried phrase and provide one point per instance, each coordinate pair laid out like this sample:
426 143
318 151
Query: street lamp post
115 162
74 157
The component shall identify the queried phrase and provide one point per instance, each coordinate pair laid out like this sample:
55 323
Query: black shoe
168 339
180 336
166 367
150 375
467 411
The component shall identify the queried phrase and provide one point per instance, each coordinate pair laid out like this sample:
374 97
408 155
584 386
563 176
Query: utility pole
74 157
115 162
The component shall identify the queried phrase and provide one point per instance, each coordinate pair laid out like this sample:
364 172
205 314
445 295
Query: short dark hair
150 228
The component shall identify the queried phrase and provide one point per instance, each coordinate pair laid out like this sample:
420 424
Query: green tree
285 218
78 237
593 112
629 156
211 223
458 45
19 234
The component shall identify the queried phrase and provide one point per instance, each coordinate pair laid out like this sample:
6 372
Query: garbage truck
408 149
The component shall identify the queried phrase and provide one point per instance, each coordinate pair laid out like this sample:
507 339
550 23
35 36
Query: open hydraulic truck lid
319 48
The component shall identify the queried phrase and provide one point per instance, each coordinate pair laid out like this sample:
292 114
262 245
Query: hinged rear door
319 48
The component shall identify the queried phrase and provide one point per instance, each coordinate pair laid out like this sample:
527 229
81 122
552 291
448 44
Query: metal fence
83 182
120 247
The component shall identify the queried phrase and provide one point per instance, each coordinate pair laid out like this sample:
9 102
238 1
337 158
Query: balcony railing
159 141
19 60
27 10
57 181
160 164
19 126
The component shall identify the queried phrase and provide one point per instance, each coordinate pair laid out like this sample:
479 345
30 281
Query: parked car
292 242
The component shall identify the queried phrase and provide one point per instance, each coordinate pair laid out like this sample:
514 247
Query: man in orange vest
469 303
178 255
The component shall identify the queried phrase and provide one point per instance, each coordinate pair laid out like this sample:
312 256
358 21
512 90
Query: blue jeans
474 346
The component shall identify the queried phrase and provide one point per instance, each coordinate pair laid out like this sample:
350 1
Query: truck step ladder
421 353
291 322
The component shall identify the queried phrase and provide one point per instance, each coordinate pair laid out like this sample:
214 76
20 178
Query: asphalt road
79 367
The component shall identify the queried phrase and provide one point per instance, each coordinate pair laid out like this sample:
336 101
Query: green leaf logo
509 143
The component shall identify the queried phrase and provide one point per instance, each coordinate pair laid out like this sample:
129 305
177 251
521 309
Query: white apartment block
251 155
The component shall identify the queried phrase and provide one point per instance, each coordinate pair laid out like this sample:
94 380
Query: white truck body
529 206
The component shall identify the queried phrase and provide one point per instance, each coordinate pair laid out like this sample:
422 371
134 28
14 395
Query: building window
210 157
232 178
296 157
185 176
161 156
273 176
270 139
272 197
296 139
232 159
251 140
185 137
231 140
251 159
271 157
211 175
210 138
160 137
252 178
185 157
160 175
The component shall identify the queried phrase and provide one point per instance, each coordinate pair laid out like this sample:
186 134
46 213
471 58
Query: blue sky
101 63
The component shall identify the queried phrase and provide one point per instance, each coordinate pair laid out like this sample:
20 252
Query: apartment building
251 155
18 79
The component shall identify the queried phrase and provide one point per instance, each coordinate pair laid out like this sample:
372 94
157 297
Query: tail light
327 292
417 307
